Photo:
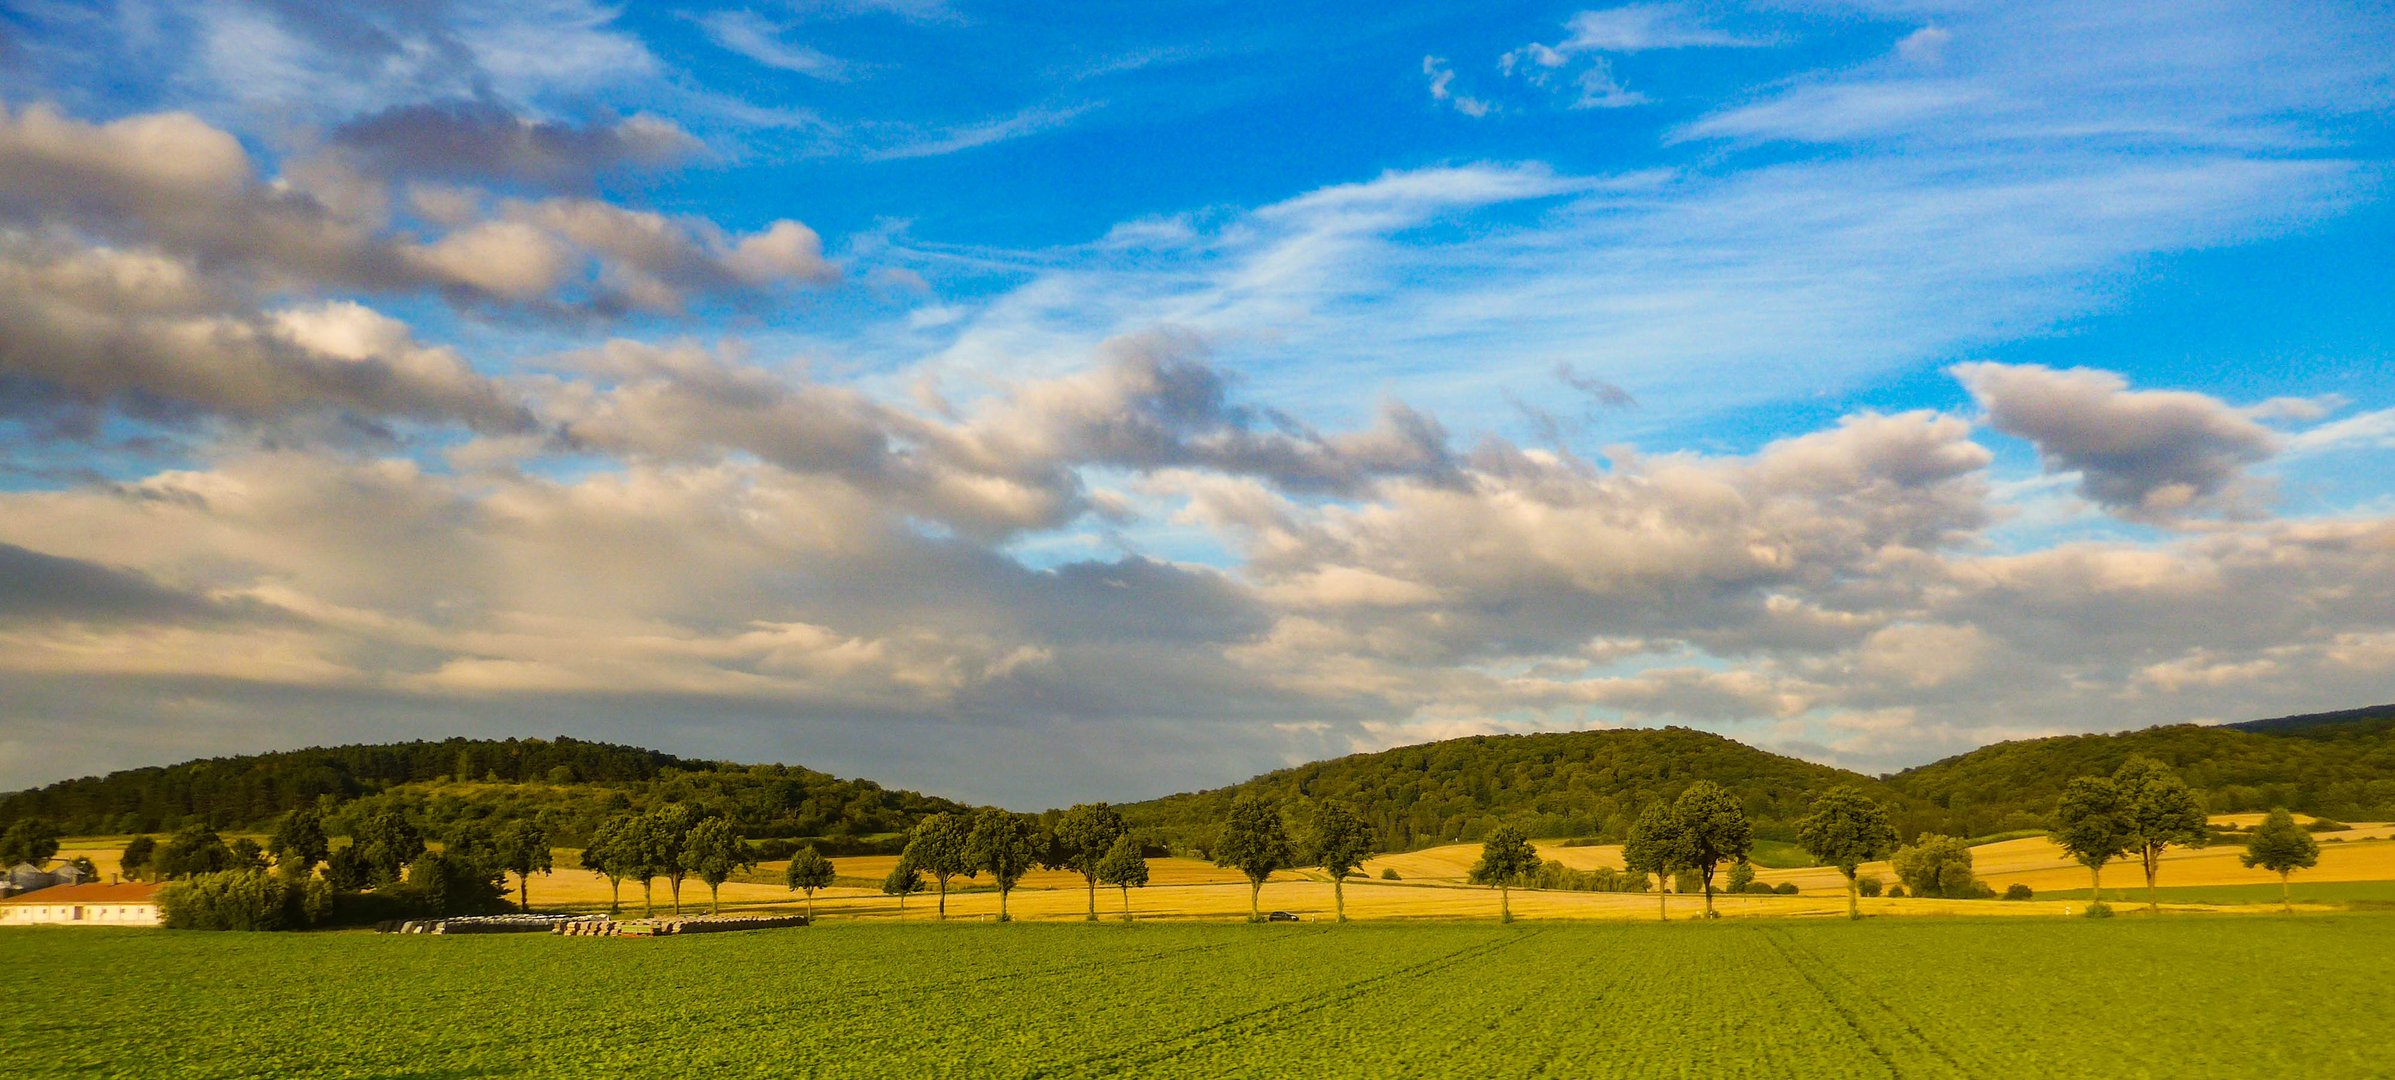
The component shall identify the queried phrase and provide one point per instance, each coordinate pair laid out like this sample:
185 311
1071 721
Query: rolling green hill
2337 764
1564 784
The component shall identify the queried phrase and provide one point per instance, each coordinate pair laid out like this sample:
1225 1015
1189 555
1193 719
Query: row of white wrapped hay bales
588 925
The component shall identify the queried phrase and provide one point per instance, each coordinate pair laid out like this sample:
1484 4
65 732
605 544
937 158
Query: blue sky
900 387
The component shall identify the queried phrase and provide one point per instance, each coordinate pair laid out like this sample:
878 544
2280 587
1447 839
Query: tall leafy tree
1847 829
809 871
135 862
31 840
1342 841
1717 831
1255 840
299 843
942 846
2092 827
387 842
1935 865
248 854
2282 847
345 870
904 880
1658 845
1007 845
1506 859
607 855
2161 813
648 850
669 831
193 849
524 851
1083 837
1125 867
714 850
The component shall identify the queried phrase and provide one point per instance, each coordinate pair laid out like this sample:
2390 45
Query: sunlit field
1886 997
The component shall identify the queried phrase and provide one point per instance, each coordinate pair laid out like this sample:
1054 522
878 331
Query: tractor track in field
1266 1017
1819 974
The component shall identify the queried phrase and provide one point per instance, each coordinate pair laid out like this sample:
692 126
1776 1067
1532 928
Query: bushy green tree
1342 841
31 840
523 850
388 842
1742 875
345 870
243 900
904 880
247 854
1846 829
135 862
668 837
1716 828
942 846
2161 813
714 850
809 871
299 843
443 883
1936 866
609 855
1506 859
1007 845
1125 867
1658 845
193 849
2282 847
1255 840
1083 837
2092 827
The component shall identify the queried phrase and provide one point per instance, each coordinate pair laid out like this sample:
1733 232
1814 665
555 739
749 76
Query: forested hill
571 782
1565 784
2340 765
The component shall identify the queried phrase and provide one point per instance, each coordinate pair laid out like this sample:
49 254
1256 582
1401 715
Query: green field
2319 892
2259 996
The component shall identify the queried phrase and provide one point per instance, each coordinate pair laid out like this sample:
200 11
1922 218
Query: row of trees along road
1090 839
676 842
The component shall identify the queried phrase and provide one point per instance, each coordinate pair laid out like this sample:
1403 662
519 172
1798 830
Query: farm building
126 904
26 877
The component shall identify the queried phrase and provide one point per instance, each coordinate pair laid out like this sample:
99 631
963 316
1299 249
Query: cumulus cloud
480 141
2148 454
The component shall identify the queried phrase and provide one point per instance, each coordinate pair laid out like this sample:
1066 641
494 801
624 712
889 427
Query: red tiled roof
126 892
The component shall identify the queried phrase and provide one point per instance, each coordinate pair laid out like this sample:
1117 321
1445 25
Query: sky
1039 403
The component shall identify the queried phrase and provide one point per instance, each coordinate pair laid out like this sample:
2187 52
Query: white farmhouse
129 903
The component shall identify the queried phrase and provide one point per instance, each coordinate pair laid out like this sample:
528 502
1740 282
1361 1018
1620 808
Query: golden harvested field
1432 885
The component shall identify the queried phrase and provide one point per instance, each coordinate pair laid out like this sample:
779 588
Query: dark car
1281 916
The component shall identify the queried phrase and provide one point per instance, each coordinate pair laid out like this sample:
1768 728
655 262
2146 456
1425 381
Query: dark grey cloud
481 141
2149 454
37 586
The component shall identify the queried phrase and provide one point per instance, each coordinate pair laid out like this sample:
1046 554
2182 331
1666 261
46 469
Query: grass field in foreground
1886 997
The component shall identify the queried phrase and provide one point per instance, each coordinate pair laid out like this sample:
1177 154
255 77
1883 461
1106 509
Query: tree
136 859
2093 829
1342 841
1847 829
247 854
524 851
2160 812
669 831
450 883
1658 845
809 871
1936 866
1717 831
2281 847
607 856
1125 868
714 850
646 850
1255 841
1506 859
1007 845
387 842
193 849
299 844
942 847
345 870
904 880
31 840
1083 837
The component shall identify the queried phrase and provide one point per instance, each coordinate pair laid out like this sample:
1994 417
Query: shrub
1742 875
1758 888
1937 865
2016 891
1868 884
1785 888
2325 825
244 900
1895 892
2099 910
1388 873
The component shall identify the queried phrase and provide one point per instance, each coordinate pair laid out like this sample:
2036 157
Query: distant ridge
2310 722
